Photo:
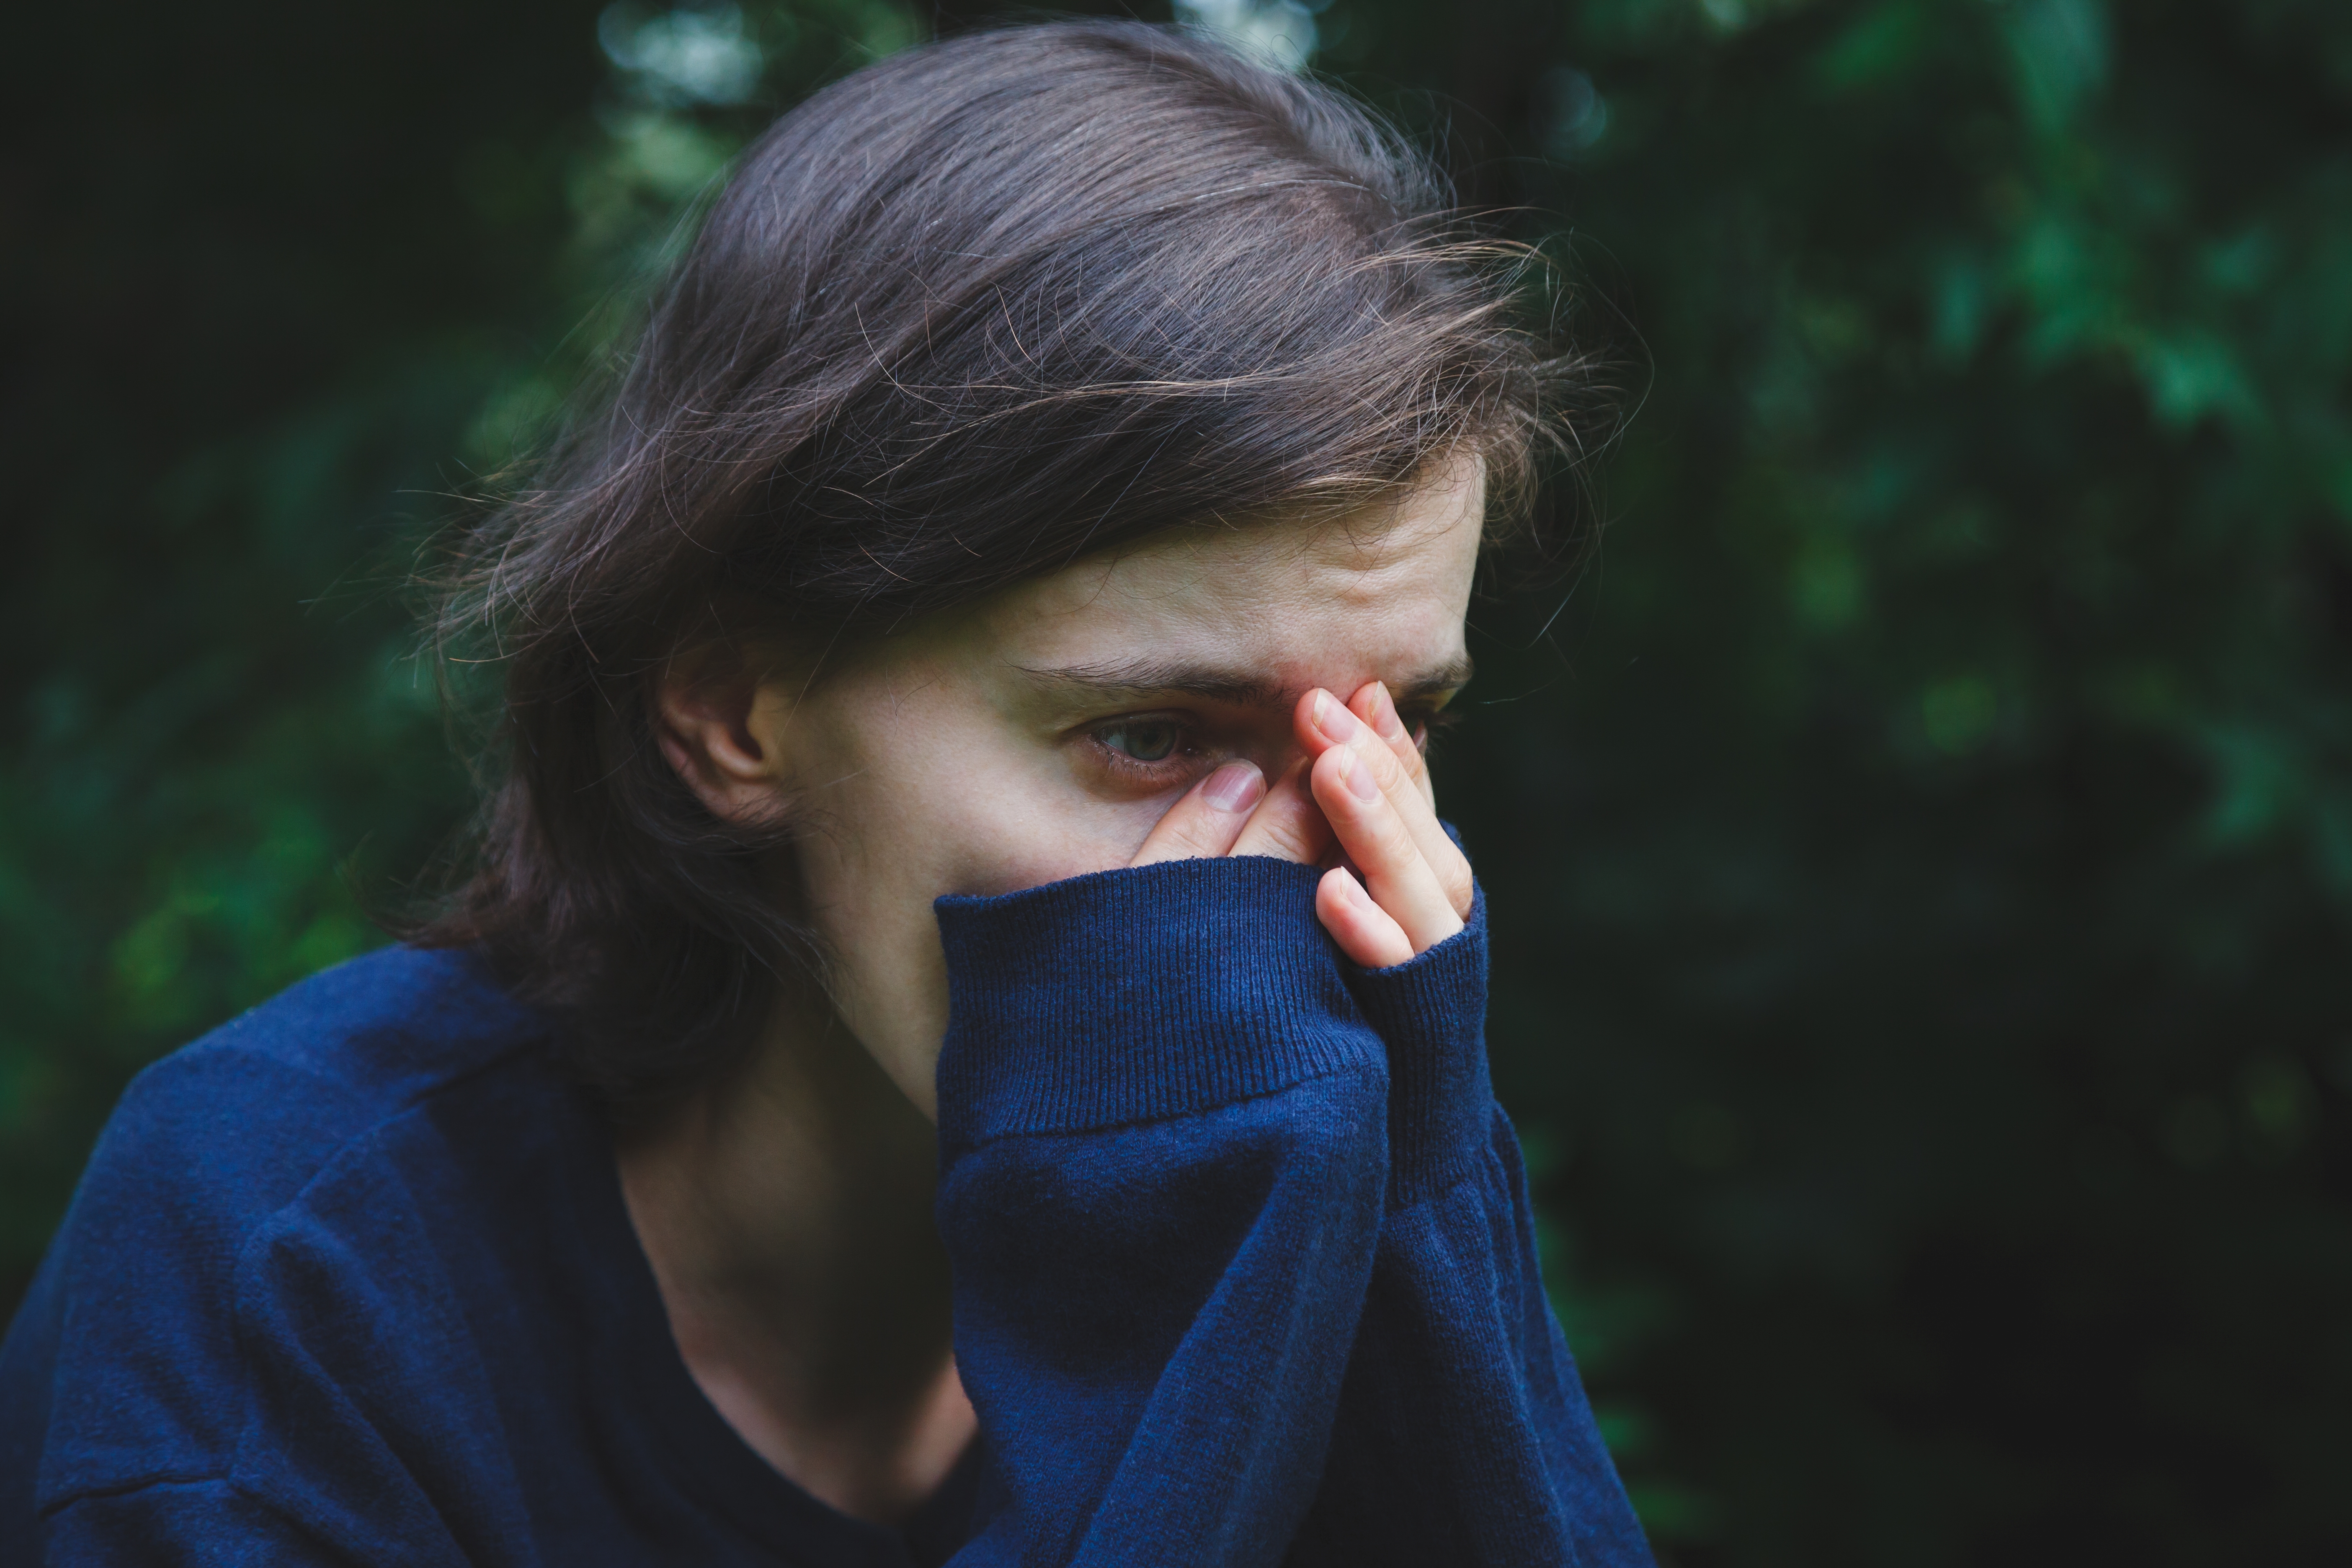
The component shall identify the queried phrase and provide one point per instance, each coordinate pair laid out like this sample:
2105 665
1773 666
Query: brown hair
958 320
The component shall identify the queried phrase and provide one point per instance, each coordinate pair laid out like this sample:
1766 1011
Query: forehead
1366 595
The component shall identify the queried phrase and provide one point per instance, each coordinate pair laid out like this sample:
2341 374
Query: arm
1163 1168
1463 1434
234 1352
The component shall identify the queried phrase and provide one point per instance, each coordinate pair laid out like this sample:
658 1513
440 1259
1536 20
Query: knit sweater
1242 1267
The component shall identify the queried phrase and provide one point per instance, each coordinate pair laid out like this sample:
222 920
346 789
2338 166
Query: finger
1287 824
1376 708
1209 817
1363 929
1376 838
1322 723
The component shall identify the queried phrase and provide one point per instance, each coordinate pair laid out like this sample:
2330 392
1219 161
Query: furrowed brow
1142 680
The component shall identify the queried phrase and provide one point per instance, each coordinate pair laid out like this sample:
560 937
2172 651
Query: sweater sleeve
1162 1126
1463 1434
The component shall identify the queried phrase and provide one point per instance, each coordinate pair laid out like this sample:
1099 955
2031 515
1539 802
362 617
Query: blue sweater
1243 1269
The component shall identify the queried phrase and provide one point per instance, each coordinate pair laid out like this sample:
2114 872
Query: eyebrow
1139 680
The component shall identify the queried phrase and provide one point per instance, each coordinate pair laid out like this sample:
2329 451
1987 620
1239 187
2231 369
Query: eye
1144 740
1424 722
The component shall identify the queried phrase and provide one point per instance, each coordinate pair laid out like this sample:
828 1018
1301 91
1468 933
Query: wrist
1431 1012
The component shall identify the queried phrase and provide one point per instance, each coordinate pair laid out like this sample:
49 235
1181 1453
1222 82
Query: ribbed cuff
1134 994
1432 1011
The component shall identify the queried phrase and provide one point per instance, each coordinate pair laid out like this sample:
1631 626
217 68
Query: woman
963 1036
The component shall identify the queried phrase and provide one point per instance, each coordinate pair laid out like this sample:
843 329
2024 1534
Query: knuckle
1180 837
1204 840
1283 840
1298 839
1396 839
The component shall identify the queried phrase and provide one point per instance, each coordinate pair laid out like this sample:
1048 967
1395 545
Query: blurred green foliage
1921 840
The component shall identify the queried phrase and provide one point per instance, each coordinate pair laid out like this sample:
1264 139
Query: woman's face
1041 734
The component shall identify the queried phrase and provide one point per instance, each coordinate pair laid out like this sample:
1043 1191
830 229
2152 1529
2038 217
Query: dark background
1921 841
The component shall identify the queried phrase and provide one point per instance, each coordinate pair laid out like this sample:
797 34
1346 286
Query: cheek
920 811
913 834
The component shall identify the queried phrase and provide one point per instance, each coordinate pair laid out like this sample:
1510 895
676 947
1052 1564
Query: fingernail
1356 894
1385 714
1358 778
1236 786
1333 720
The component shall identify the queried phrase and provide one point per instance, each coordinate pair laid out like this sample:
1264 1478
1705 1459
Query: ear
703 710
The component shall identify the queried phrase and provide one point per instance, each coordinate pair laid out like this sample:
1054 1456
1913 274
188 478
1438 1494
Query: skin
1129 708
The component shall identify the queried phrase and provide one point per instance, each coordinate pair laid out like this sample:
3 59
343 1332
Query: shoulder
130 1335
378 1031
247 1115
318 1066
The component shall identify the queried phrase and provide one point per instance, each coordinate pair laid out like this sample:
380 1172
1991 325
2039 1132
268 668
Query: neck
787 1216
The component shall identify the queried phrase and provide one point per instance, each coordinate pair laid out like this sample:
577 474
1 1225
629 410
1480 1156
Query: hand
1231 812
1419 884
1369 778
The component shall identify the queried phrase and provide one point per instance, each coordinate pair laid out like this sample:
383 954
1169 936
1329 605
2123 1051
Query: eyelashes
1142 739
1148 752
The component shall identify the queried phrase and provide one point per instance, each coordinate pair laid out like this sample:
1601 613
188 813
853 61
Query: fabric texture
1244 1274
